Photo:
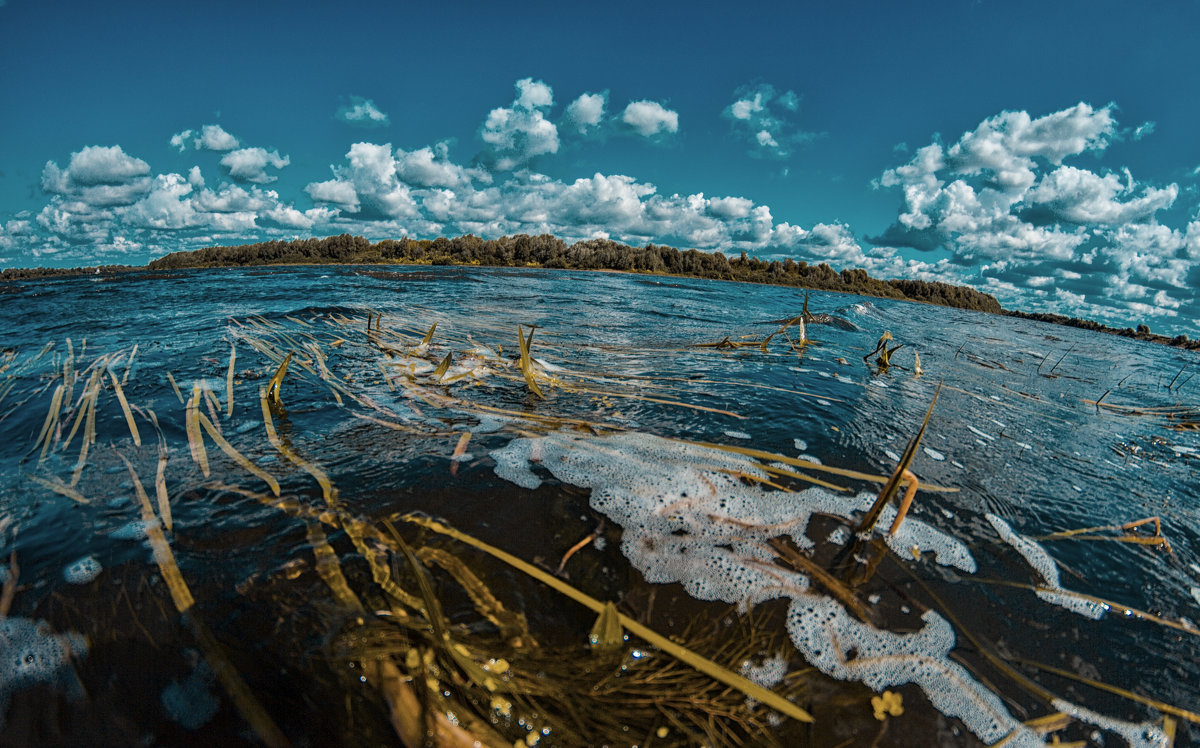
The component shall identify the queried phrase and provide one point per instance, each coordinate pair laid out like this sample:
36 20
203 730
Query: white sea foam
687 519
1137 735
1041 561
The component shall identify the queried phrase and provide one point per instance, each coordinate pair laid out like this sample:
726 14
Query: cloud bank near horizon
1007 207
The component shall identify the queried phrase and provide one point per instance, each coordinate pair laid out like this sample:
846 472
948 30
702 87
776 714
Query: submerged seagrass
310 559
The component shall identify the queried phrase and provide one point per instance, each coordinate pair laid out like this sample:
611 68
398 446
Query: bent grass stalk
195 440
241 695
237 456
133 429
898 476
229 381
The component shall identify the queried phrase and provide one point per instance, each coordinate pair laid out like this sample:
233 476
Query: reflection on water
132 436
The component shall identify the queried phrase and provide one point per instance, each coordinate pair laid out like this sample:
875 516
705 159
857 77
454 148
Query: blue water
1010 431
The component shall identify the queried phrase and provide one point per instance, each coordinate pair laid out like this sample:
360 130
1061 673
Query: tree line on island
547 251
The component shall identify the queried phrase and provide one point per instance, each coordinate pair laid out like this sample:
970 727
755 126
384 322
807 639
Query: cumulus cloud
107 204
430 194
521 132
585 113
93 166
765 117
250 164
368 185
361 112
209 138
1039 233
650 118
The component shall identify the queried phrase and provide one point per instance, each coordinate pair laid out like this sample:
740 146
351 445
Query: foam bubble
977 432
768 673
134 530
82 571
934 454
192 703
30 653
736 434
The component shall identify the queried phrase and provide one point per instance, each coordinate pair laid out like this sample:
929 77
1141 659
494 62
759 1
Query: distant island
547 251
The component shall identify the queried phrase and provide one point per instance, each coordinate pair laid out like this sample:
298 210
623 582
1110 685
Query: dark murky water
94 649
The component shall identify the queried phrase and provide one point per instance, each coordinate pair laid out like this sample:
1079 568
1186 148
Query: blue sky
1045 152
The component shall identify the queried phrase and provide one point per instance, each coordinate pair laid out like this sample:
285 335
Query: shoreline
441 252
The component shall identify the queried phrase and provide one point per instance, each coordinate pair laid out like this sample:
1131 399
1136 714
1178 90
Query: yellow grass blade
273 437
889 489
89 436
57 486
526 366
273 385
181 595
1174 711
175 387
237 456
51 423
229 381
133 429
160 488
129 365
771 456
329 569
443 367
429 335
195 440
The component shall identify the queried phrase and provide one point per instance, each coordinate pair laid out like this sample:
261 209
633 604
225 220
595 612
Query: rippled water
1011 432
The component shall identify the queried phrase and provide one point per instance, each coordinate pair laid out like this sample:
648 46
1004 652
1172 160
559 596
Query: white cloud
368 185
431 167
1011 215
94 166
250 164
587 112
764 118
362 113
214 138
521 132
210 138
334 192
180 140
1079 196
533 94
106 204
746 109
649 118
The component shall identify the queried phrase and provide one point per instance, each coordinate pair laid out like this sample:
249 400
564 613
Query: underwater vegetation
362 526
